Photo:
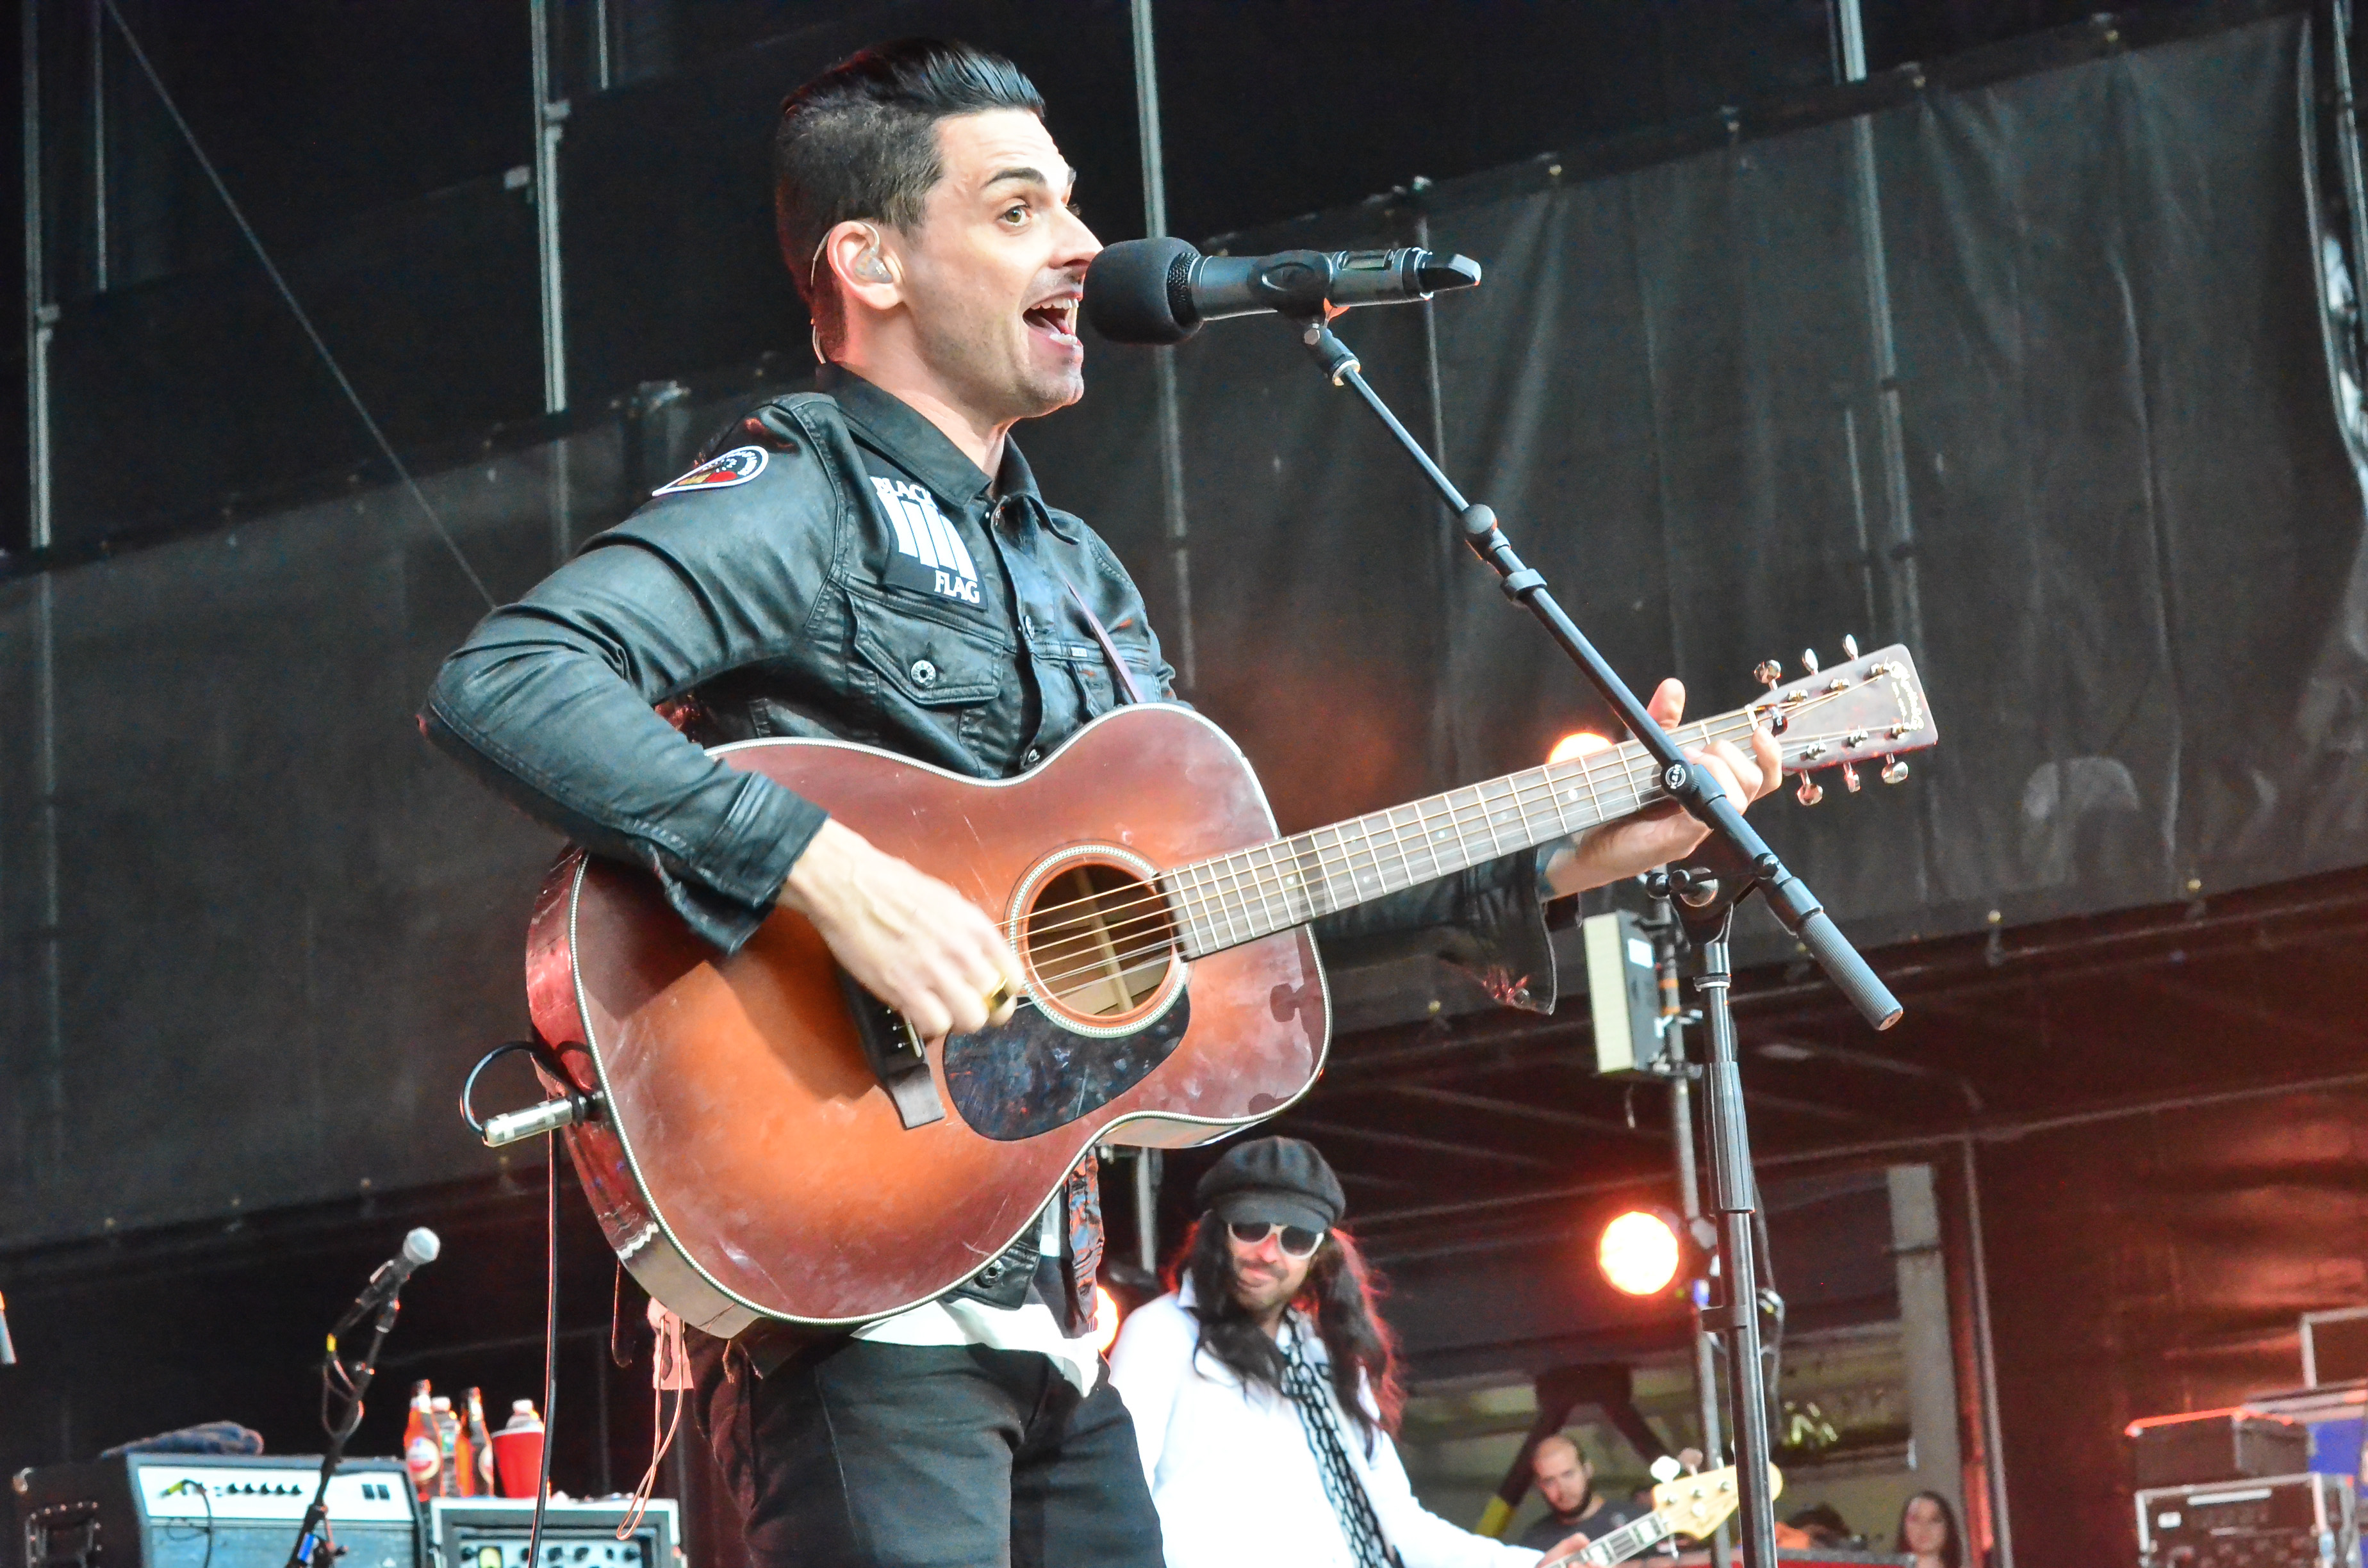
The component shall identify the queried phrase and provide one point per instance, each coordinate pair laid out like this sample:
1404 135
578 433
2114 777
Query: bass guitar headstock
1870 708
1696 1504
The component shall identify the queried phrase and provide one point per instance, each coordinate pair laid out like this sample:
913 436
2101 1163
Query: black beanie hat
1280 1181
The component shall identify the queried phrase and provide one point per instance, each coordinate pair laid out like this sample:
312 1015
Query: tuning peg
1808 794
1894 770
1809 658
1849 647
1849 777
1769 673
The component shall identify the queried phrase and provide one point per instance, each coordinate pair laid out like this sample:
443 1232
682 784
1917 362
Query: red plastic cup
518 1461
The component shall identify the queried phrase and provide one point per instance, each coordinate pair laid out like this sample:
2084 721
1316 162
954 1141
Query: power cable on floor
254 242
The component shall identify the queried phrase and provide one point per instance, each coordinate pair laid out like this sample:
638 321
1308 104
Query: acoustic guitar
765 1140
1689 1505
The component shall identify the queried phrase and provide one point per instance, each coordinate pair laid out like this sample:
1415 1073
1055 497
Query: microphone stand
1739 861
311 1548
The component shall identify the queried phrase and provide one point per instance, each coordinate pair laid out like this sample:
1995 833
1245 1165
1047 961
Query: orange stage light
1106 1319
1638 1254
1578 743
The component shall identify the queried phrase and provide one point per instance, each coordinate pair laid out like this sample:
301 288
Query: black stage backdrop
2121 537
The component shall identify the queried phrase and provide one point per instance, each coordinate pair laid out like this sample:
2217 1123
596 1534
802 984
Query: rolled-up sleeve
549 701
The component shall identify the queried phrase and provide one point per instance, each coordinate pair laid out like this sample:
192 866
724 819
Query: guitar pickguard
1034 1074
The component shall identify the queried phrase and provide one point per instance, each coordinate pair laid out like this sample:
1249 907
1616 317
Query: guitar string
1486 803
1522 792
1517 798
1586 765
1513 805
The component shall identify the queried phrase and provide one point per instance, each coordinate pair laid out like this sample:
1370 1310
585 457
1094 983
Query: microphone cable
549 1342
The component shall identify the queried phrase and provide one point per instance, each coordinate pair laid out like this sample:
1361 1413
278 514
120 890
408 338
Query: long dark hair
1339 1295
1953 1545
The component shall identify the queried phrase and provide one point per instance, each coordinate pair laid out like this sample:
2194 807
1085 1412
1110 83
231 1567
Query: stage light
1107 1318
1638 1253
1578 743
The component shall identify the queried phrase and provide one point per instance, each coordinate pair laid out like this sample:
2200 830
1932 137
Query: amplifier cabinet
493 1532
2287 1521
211 1511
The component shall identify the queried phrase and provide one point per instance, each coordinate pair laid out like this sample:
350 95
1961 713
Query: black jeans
855 1455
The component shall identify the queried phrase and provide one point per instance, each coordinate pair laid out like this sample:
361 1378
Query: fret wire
1263 921
1332 899
1429 841
1397 842
1319 891
1171 887
1232 897
1282 877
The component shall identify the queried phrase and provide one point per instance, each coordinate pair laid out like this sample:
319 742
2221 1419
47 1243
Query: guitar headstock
1870 708
1697 1504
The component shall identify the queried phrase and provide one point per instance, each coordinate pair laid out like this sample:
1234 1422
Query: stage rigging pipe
2347 150
1162 360
550 116
98 146
40 316
40 326
1906 593
1985 1359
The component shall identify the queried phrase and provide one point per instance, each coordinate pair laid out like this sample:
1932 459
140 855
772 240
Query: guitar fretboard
1624 1543
1231 899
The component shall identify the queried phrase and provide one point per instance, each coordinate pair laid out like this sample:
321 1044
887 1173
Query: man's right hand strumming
906 936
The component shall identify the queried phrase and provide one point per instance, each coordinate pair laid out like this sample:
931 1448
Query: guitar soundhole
1098 940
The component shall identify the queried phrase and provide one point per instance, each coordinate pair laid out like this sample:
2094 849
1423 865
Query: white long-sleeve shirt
1231 1471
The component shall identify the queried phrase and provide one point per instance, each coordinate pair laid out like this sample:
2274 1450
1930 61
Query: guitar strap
1125 676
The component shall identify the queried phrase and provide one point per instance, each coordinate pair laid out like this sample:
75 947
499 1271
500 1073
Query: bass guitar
764 1140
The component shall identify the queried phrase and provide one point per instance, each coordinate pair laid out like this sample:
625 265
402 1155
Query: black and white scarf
1305 1386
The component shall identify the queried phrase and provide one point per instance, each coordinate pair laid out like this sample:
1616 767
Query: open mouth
1057 319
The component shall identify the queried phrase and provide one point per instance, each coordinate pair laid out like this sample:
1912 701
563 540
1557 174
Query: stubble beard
975 360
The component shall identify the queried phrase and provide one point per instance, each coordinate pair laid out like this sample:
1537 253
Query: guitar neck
1231 899
1623 1543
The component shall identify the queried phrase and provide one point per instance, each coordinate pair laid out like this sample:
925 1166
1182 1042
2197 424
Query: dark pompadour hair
860 142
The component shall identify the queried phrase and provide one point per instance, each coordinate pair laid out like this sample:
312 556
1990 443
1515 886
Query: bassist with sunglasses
1264 1386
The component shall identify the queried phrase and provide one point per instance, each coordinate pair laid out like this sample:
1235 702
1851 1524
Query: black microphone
419 1248
1161 290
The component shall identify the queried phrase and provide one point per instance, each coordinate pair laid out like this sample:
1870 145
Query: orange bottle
423 1453
481 1448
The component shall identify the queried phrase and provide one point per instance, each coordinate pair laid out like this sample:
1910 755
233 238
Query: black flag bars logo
930 555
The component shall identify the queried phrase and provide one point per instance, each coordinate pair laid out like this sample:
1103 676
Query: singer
872 560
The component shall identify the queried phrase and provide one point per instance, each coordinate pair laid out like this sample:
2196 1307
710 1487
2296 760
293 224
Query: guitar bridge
898 1058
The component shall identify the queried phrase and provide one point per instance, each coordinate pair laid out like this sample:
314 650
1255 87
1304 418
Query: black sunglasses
1297 1241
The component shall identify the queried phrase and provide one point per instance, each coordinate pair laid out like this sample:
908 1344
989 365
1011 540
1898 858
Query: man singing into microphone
872 562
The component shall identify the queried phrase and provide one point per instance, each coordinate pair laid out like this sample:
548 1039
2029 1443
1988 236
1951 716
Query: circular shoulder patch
737 466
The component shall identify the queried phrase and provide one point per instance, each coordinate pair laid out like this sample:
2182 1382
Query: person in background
1263 1388
1566 1480
1823 1524
1927 1532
